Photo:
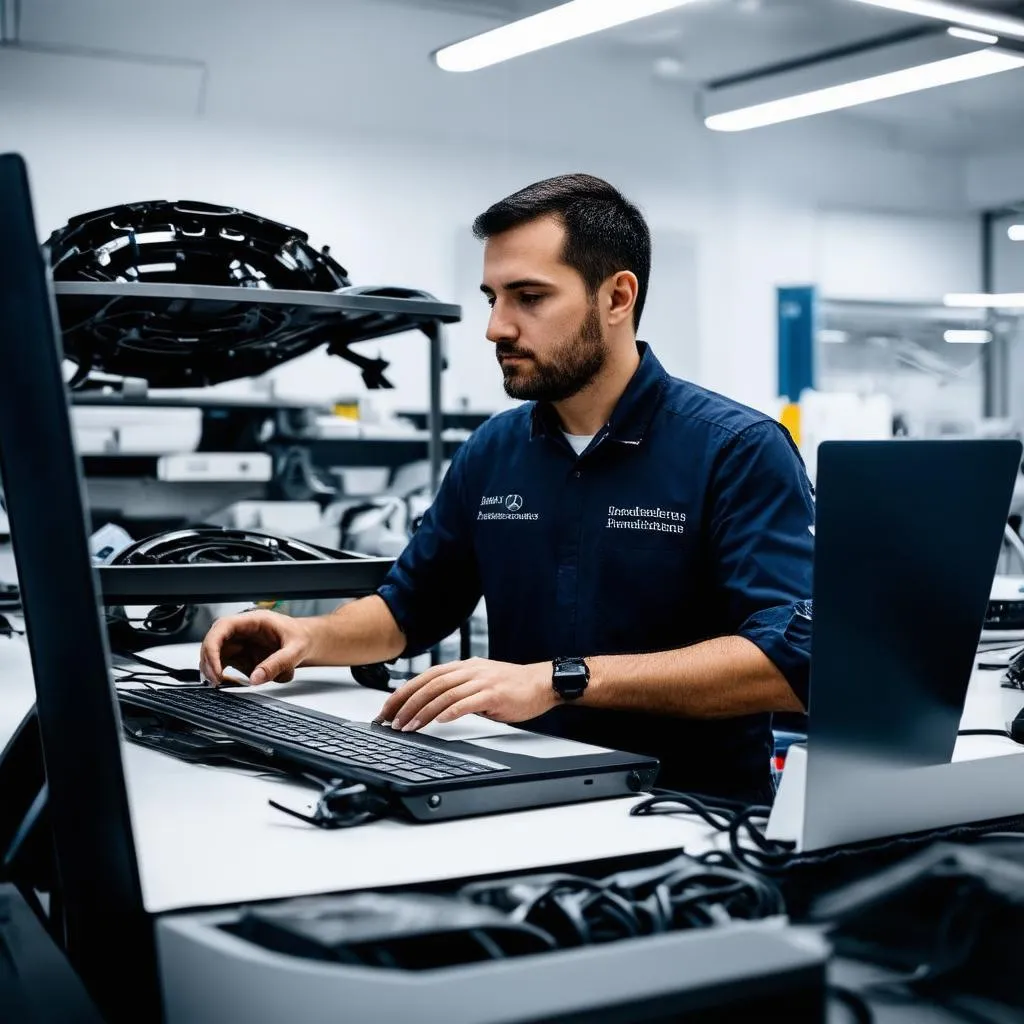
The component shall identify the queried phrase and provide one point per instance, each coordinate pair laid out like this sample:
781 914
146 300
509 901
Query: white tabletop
989 705
207 836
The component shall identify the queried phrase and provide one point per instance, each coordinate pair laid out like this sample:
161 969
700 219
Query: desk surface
208 836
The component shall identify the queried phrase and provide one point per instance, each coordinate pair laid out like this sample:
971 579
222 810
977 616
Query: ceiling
186 56
713 39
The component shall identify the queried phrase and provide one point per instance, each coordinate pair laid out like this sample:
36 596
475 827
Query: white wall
995 179
343 129
857 252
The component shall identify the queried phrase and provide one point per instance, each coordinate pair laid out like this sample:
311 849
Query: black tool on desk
1013 678
342 804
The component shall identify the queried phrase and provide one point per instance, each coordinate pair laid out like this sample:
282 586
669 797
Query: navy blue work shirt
687 517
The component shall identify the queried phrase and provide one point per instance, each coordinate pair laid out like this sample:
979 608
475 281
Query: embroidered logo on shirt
512 504
658 520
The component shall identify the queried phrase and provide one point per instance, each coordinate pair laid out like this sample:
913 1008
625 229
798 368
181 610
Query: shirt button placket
568 569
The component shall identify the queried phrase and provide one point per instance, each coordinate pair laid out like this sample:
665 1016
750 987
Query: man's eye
490 301
529 299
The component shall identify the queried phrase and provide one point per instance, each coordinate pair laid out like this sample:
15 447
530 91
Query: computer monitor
107 934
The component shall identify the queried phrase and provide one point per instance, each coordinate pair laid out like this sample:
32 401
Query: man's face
545 325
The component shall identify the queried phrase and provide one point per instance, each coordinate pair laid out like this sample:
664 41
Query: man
654 534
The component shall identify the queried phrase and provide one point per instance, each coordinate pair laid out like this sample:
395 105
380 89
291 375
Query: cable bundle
686 892
749 849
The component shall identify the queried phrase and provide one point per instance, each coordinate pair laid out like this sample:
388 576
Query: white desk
207 836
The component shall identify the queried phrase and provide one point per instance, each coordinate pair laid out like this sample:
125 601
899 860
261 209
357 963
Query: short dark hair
604 232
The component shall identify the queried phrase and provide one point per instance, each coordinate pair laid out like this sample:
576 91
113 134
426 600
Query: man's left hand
497 690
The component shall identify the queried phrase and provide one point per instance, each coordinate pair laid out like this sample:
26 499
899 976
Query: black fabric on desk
807 876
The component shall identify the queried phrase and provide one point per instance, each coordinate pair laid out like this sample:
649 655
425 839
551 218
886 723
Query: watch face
571 673
570 678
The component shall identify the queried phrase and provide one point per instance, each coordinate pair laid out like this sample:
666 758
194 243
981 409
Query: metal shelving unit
360 314
352 576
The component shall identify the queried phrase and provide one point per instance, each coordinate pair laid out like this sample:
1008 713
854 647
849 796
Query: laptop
425 777
907 541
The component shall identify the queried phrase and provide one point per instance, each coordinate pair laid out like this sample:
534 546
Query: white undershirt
579 442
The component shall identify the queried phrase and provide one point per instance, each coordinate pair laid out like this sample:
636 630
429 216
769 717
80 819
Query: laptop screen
907 541
107 933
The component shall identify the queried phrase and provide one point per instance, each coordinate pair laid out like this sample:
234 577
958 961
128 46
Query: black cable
854 1002
776 858
341 804
687 892
150 680
487 944
7 629
185 675
742 823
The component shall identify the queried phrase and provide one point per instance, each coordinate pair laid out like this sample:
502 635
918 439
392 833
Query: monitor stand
883 802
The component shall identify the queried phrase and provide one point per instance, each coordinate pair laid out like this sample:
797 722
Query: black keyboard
345 743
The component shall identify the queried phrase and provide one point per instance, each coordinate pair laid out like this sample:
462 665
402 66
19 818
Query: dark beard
567 372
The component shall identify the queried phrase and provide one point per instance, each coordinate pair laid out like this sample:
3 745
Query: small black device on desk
1013 678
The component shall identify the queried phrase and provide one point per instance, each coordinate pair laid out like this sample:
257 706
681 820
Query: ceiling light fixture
548 28
981 300
867 90
956 14
1015 232
967 337
973 37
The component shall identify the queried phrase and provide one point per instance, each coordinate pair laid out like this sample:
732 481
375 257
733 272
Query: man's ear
622 291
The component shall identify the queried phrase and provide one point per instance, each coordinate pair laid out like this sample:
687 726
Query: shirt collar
634 410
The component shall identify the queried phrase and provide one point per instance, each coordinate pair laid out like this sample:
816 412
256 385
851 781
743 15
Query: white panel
101 83
670 320
474 377
865 255
995 179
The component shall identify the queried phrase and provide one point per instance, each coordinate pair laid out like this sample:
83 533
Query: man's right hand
266 646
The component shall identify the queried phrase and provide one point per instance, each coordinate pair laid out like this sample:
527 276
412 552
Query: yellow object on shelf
790 419
348 410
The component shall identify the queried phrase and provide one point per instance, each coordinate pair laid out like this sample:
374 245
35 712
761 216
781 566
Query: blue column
796 316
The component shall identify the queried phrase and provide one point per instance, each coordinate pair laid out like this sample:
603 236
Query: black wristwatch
569 677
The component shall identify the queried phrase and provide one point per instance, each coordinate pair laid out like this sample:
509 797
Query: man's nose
500 328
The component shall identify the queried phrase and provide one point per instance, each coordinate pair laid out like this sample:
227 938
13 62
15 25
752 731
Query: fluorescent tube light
1015 232
967 337
980 300
867 90
830 337
956 14
973 37
548 28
